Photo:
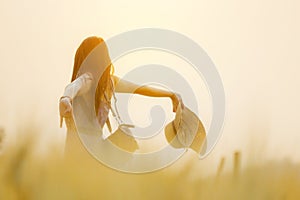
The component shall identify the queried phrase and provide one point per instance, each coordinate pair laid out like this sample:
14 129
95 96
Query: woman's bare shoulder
85 76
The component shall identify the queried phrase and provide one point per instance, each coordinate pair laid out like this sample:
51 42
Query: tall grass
27 175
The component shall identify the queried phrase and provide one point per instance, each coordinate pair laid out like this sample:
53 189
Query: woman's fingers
176 99
61 121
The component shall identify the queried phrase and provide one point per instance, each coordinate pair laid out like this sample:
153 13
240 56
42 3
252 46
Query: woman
107 85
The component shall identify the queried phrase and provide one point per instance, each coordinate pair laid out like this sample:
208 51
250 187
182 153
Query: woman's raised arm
123 86
77 87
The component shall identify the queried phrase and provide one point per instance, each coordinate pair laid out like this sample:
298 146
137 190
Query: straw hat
123 139
186 131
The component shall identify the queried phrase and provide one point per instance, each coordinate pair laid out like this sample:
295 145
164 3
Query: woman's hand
176 99
65 108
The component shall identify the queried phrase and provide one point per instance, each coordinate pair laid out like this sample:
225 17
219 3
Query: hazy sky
254 44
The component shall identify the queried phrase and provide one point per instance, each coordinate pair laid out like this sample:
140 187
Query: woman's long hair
105 86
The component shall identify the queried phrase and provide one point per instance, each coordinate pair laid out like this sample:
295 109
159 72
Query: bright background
254 44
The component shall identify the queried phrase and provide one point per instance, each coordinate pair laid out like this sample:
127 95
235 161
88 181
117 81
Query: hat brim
186 131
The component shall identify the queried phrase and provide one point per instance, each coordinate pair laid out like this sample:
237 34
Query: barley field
24 174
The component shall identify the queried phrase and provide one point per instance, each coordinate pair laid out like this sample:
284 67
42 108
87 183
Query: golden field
24 174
